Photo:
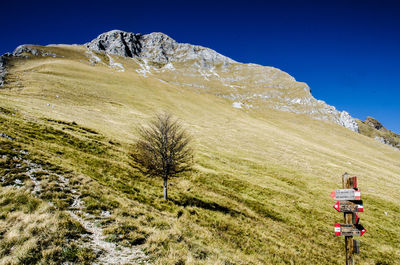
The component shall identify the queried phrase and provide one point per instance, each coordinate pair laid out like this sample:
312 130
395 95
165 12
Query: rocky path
108 253
111 253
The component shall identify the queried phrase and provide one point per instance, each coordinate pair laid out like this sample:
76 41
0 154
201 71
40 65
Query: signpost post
349 202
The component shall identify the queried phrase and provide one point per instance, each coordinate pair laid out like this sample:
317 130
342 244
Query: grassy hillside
259 193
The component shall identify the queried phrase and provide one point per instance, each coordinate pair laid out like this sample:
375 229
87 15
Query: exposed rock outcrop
156 47
3 67
381 140
374 123
374 129
6 136
21 50
117 42
348 122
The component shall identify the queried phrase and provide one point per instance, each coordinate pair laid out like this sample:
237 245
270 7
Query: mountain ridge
155 46
248 86
374 129
161 48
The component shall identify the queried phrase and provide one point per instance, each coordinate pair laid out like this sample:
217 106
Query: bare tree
163 149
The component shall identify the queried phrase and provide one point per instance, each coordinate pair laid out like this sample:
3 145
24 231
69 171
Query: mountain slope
249 85
374 129
262 179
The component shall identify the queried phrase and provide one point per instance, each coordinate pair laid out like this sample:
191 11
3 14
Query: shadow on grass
212 206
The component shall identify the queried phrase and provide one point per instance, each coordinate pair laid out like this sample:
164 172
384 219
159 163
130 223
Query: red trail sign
349 230
346 194
349 202
349 206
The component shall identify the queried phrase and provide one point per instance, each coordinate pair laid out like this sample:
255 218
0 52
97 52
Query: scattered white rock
118 66
108 253
33 168
6 136
380 139
145 68
93 59
111 253
18 182
169 66
212 71
384 141
237 105
105 213
204 74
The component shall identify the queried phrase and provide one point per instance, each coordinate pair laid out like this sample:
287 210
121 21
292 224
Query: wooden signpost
349 206
349 230
346 194
349 202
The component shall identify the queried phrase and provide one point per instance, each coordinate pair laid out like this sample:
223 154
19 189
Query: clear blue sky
348 51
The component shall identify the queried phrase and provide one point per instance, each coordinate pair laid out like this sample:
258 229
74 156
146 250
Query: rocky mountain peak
157 47
249 86
117 42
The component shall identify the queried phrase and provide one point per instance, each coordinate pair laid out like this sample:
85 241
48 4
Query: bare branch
163 149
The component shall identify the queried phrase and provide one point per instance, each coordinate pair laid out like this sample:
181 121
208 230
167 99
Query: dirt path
111 253
108 253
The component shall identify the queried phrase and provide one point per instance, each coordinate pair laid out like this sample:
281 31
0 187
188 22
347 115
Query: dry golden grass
259 193
32 231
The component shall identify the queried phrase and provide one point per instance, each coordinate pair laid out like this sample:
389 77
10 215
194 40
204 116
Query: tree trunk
165 188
